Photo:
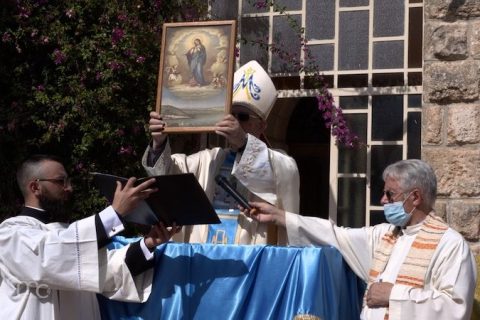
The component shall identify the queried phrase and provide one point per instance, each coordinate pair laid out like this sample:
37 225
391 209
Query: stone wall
451 114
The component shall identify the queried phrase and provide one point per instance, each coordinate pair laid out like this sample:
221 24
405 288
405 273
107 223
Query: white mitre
253 88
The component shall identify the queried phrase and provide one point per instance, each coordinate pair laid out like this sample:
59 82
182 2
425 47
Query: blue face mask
396 214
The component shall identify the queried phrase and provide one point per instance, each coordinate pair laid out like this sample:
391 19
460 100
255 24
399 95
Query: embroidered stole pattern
413 270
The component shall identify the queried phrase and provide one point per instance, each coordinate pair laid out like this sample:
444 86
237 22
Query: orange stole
413 270
412 273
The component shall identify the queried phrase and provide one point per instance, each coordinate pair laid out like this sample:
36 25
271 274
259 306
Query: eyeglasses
390 195
244 116
65 181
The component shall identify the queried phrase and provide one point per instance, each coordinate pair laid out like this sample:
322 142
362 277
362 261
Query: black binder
179 199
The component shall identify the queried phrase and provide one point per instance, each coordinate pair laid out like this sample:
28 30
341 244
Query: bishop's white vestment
264 173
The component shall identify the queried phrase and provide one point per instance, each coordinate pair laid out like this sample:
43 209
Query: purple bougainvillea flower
114 65
6 37
24 12
122 17
126 150
136 130
69 13
260 4
117 35
58 56
11 125
158 4
79 166
334 119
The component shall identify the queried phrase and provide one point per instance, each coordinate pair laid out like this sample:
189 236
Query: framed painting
195 74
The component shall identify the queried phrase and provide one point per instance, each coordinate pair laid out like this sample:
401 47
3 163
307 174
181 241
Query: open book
179 199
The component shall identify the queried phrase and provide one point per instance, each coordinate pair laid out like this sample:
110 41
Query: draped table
203 281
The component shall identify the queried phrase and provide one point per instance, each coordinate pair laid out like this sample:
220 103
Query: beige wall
451 115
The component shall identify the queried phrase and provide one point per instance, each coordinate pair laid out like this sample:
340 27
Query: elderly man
262 173
51 270
415 265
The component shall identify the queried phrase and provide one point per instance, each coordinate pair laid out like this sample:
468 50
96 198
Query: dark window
354 102
382 156
388 54
352 80
387 79
354 160
377 217
287 40
414 100
387 118
414 130
388 18
414 78
225 9
415 38
351 202
286 83
313 83
321 57
353 40
320 19
254 29
309 144
288 4
250 7
353 3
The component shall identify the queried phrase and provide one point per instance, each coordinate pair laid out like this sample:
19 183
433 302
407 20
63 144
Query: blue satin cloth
204 281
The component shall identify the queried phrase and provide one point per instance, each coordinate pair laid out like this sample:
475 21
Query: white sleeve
355 244
169 163
148 255
111 222
117 281
162 165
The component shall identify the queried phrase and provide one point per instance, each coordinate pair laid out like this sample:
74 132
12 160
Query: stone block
432 124
464 217
451 82
451 10
475 40
441 209
446 41
463 124
457 170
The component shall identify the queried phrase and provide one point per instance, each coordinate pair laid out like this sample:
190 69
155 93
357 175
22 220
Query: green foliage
78 79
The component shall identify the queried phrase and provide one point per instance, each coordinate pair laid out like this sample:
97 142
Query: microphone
223 182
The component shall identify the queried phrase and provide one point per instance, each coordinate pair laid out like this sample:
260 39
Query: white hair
414 173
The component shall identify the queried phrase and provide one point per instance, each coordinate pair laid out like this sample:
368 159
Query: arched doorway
296 125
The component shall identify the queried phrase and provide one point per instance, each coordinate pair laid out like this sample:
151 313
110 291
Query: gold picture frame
195 77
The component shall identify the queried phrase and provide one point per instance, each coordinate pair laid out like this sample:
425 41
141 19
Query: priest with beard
52 270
